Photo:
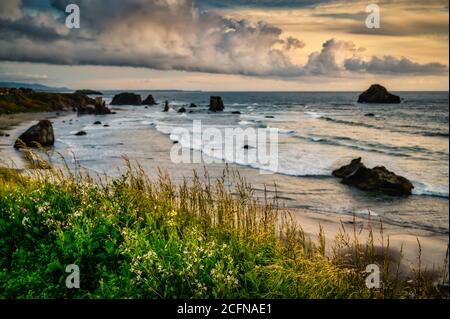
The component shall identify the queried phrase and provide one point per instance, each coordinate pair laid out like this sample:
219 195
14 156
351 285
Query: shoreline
434 245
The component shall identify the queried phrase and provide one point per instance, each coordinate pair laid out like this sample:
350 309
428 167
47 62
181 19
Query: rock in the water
149 101
370 115
374 179
269 117
348 170
192 105
81 133
236 112
182 110
97 123
166 106
378 94
127 99
39 134
216 104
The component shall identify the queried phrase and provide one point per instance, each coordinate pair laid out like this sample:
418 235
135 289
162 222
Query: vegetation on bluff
136 237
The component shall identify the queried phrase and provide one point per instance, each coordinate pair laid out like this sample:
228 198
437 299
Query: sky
226 45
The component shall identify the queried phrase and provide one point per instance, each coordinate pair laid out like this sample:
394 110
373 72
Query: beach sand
288 189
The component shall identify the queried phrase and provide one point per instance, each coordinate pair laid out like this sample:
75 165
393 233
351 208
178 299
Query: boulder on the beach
216 104
149 101
378 94
39 134
374 179
126 99
370 115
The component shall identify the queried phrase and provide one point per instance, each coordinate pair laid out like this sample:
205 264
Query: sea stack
39 134
127 99
378 94
377 179
216 104
149 101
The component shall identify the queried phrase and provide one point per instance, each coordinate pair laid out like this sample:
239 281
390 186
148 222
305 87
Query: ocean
317 132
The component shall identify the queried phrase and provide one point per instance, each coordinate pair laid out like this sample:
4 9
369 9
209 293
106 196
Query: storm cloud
174 35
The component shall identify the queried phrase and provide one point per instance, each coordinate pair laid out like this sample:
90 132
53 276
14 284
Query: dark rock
89 92
41 133
191 111
378 94
166 106
270 117
192 105
175 142
369 115
106 125
216 104
182 110
348 170
127 99
99 108
236 112
149 101
81 133
377 179
246 147
4 134
97 123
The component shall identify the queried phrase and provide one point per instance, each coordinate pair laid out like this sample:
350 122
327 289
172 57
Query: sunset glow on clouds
226 45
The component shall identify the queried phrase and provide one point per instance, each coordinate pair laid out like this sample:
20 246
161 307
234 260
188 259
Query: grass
134 237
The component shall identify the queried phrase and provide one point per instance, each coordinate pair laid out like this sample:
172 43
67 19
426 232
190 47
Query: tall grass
136 237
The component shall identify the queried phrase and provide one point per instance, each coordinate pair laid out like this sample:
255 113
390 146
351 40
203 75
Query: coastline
433 245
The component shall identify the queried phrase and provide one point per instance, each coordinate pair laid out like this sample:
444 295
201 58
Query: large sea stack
127 99
149 101
374 179
39 134
378 94
216 104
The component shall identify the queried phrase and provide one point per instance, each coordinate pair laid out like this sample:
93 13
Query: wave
367 125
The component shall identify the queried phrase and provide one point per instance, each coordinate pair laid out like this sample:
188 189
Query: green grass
133 237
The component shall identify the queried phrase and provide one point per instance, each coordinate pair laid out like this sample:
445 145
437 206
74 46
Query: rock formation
378 94
149 101
216 104
374 179
127 99
39 134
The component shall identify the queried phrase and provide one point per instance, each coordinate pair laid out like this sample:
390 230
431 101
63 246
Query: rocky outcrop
182 110
193 105
89 92
98 108
149 101
81 133
166 106
39 134
216 104
127 99
378 94
374 179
